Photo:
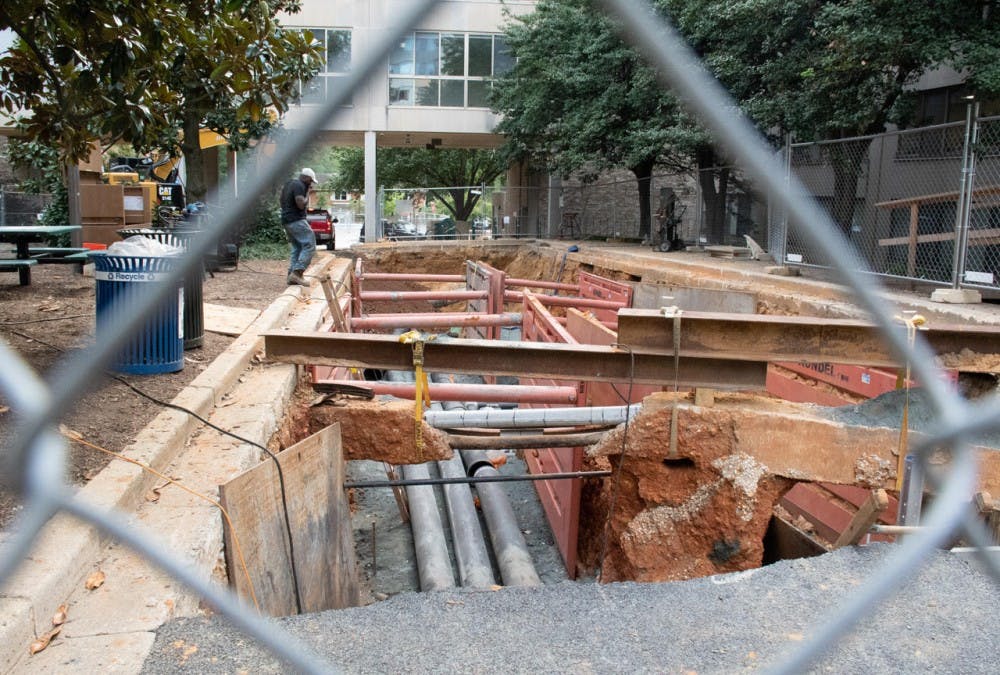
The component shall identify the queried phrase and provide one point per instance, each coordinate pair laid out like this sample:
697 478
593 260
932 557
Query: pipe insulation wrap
531 417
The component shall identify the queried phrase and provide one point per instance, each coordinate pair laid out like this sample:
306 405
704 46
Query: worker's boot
296 278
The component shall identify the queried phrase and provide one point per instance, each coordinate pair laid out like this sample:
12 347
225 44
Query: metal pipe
533 283
435 320
475 480
564 300
509 546
391 276
433 563
523 441
401 296
485 393
474 567
531 417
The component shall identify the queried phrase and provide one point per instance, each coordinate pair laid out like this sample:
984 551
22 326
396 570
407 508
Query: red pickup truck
324 227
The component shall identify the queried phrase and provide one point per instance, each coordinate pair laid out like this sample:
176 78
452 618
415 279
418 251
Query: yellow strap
912 323
675 313
422 393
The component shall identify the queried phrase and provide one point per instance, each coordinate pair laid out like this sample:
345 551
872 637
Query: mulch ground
55 316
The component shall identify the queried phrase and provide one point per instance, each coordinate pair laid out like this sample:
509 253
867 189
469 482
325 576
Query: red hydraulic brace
564 301
434 320
550 285
404 296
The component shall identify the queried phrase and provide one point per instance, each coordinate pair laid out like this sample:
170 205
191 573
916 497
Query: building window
446 70
336 52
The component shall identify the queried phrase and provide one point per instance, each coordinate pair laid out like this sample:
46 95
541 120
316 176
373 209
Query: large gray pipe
433 563
471 556
509 546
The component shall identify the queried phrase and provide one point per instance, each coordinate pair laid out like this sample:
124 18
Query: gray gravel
944 620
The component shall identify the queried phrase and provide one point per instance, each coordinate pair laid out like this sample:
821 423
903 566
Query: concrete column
554 206
371 189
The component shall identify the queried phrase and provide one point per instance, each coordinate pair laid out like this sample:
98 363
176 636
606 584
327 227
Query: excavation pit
705 499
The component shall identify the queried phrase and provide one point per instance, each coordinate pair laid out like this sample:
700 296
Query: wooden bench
22 267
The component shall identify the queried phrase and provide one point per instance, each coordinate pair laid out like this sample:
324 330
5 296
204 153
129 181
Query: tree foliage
119 70
461 171
580 99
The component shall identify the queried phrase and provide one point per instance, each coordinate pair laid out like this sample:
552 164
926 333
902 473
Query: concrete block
956 296
654 296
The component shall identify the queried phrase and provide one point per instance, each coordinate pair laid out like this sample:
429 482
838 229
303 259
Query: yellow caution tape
903 382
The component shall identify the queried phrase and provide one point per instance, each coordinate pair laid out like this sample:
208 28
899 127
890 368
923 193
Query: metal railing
35 459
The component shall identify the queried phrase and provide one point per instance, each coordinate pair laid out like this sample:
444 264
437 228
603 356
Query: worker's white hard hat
309 173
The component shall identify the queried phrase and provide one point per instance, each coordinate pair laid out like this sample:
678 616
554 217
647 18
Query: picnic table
26 257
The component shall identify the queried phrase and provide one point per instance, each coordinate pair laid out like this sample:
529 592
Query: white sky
6 39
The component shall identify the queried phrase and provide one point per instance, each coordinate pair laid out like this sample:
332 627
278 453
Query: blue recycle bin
158 345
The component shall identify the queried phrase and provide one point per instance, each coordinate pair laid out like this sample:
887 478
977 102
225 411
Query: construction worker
294 202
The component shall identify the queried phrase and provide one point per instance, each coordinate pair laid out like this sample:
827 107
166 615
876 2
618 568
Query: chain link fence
849 180
21 208
900 198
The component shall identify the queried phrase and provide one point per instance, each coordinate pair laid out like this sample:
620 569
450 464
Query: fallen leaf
42 642
153 495
95 580
59 618
3 409
49 307
69 433
453 602
796 637
495 587
189 651
497 462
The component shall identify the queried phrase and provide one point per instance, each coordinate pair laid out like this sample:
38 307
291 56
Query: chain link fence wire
21 208
982 254
35 460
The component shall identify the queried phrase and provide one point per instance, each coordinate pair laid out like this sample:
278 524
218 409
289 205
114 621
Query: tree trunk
644 175
194 163
846 158
714 182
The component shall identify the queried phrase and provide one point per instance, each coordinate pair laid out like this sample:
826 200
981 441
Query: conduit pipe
484 393
435 320
509 546
433 564
531 417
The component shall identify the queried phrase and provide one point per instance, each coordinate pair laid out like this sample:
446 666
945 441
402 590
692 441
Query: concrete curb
66 548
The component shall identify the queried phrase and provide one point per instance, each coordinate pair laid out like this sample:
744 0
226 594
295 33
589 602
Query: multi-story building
432 91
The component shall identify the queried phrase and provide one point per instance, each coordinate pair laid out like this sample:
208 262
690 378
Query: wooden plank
937 198
228 320
320 528
984 237
911 252
863 519
991 511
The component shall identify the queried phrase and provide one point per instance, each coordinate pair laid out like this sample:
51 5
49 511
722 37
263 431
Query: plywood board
319 519
228 320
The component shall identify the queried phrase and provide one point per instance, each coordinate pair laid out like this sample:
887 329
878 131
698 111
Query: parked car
401 229
324 226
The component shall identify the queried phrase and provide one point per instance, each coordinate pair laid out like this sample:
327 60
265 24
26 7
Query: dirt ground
56 315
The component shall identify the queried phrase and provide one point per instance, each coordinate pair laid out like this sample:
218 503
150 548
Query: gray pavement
943 621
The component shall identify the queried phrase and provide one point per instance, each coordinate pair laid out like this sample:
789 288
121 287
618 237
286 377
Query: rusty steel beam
403 296
760 337
525 359
435 320
481 393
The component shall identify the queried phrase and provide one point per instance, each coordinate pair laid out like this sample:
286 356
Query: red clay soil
703 511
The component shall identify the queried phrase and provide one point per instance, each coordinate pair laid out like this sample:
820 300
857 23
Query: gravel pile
943 620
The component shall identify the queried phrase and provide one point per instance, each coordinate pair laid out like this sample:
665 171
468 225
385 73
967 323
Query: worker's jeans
303 244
